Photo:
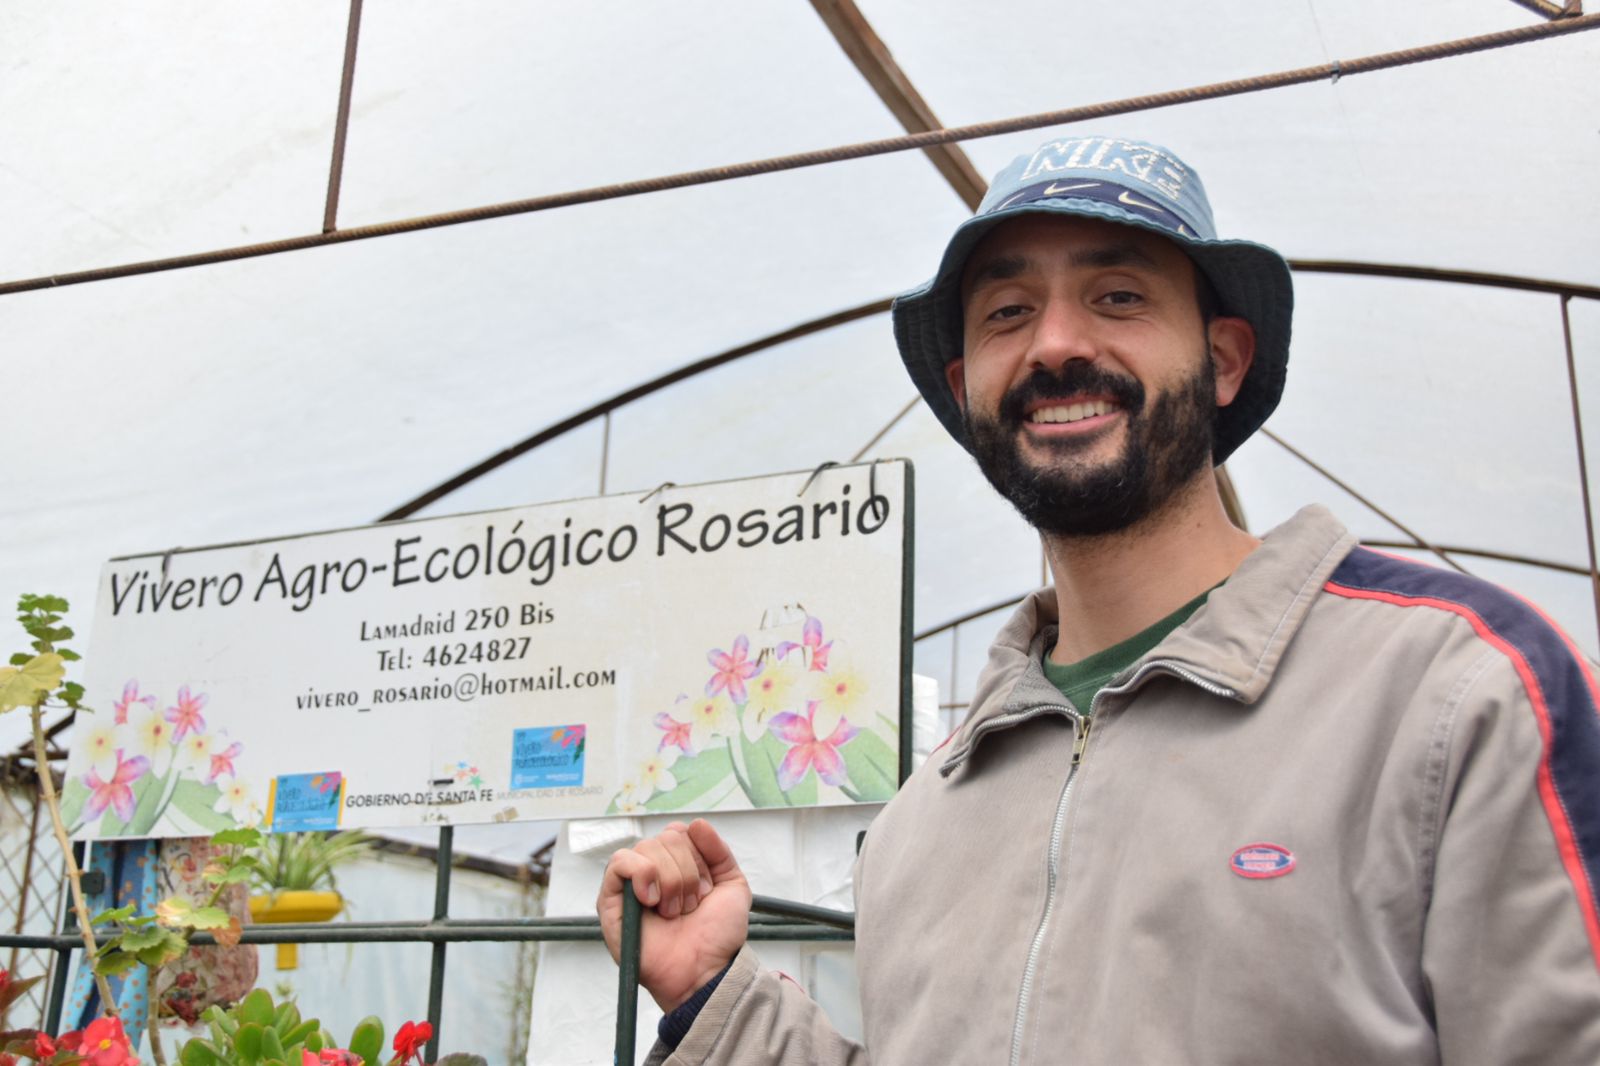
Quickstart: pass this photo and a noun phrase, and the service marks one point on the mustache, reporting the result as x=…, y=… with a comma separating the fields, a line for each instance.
x=1073, y=379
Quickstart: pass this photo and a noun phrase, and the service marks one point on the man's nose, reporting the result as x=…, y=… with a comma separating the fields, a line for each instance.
x=1065, y=331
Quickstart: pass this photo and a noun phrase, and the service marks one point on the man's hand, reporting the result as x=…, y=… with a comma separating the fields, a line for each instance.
x=696, y=908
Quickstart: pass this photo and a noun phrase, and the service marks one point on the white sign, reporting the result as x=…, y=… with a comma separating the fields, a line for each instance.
x=712, y=647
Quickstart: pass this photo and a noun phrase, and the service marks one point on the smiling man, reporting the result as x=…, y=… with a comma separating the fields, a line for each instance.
x=1219, y=799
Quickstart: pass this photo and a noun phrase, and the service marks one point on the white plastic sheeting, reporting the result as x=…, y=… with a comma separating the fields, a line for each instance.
x=322, y=388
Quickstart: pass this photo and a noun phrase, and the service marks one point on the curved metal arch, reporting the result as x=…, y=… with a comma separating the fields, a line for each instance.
x=876, y=307
x=817, y=325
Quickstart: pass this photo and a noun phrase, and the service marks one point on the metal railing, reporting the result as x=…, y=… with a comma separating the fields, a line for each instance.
x=772, y=919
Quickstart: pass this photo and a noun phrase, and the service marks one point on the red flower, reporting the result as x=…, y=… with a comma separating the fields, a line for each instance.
x=105, y=1044
x=409, y=1041
x=43, y=1046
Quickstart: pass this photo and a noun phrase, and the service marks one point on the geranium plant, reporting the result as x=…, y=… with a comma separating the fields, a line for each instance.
x=135, y=789
x=260, y=1031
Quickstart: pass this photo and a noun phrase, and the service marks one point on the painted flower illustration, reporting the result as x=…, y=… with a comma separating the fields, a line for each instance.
x=130, y=696
x=838, y=695
x=674, y=733
x=117, y=791
x=222, y=761
x=808, y=751
x=238, y=802
x=710, y=717
x=100, y=744
x=733, y=669
x=193, y=754
x=814, y=650
x=771, y=693
x=185, y=716
x=628, y=801
x=655, y=775
x=150, y=735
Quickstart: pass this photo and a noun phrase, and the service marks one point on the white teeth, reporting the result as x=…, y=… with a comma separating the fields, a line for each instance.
x=1071, y=412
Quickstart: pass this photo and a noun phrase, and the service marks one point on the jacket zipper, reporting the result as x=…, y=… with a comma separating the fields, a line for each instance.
x=1082, y=724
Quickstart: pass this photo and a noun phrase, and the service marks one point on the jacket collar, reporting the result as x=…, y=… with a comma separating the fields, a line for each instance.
x=1234, y=641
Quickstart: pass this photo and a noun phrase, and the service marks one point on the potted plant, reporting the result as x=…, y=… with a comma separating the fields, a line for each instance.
x=293, y=874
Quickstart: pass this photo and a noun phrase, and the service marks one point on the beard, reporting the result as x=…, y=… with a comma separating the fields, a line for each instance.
x=1166, y=446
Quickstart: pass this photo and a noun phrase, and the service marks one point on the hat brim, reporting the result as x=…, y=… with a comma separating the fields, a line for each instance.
x=1251, y=280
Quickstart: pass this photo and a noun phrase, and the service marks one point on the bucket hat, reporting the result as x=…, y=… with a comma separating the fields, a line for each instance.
x=1133, y=184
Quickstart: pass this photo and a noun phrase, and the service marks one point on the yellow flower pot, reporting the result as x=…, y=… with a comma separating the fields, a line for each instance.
x=294, y=906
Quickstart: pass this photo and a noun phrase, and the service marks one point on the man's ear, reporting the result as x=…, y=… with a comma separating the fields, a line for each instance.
x=957, y=377
x=1233, y=349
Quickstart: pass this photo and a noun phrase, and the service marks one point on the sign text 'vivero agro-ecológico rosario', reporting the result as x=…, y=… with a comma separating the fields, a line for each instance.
x=537, y=555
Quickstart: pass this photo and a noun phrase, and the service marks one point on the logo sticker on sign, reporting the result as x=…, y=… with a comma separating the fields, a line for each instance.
x=303, y=802
x=547, y=757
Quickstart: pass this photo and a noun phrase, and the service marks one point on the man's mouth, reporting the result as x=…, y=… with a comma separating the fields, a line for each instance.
x=1070, y=412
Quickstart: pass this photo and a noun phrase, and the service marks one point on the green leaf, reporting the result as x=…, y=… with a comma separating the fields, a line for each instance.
x=367, y=1040
x=316, y=1040
x=68, y=654
x=149, y=808
x=761, y=762
x=247, y=1041
x=50, y=603
x=872, y=766
x=299, y=1033
x=233, y=875
x=271, y=1044
x=696, y=776
x=21, y=685
x=114, y=964
x=72, y=692
x=244, y=837
x=172, y=948
x=257, y=1008
x=73, y=796
x=200, y=1052
x=207, y=918
x=140, y=939
x=21, y=658
x=220, y=1037
x=59, y=633
x=760, y=780
x=119, y=914
x=196, y=802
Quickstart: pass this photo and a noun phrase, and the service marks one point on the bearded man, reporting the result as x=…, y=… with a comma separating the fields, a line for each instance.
x=1219, y=798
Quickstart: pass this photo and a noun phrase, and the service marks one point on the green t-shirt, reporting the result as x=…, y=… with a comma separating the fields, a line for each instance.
x=1079, y=681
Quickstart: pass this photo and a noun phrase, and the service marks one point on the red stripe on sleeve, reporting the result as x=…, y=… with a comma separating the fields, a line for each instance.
x=1560, y=823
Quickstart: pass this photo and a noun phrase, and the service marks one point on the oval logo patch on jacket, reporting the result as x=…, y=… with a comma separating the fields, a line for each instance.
x=1262, y=860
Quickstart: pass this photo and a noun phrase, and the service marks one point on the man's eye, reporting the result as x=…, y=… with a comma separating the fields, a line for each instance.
x=1008, y=311
x=1121, y=298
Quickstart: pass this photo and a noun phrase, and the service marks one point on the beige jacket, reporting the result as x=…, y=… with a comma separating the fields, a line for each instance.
x=1418, y=751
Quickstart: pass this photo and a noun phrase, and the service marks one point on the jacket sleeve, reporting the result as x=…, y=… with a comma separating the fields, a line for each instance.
x=1511, y=944
x=757, y=1018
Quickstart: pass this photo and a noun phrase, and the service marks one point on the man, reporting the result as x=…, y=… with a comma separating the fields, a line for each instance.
x=1219, y=799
